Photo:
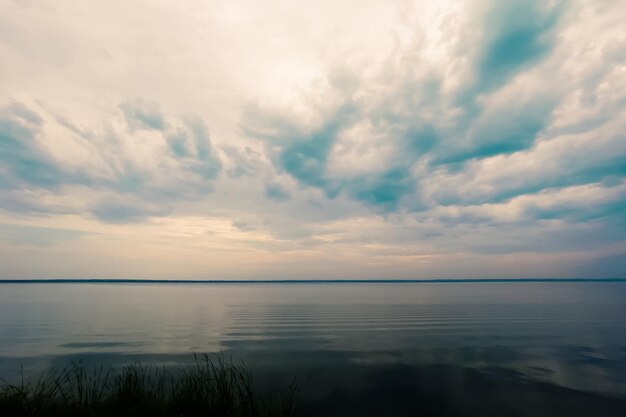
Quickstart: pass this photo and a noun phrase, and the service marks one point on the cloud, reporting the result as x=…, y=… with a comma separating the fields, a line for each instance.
x=515, y=35
x=423, y=134
x=503, y=127
x=243, y=226
x=143, y=114
x=305, y=157
x=276, y=192
x=384, y=189
x=583, y=204
x=456, y=138
x=127, y=210
x=23, y=161
x=243, y=162
x=127, y=164
x=37, y=236
x=413, y=123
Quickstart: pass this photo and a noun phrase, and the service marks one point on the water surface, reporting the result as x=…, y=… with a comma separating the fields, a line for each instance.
x=551, y=348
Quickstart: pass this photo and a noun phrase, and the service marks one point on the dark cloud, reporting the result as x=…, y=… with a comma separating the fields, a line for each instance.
x=124, y=212
x=141, y=114
x=28, y=170
x=243, y=226
x=612, y=210
x=178, y=142
x=510, y=128
x=516, y=34
x=209, y=165
x=384, y=189
x=276, y=192
x=243, y=161
x=595, y=161
x=306, y=156
x=512, y=38
x=23, y=161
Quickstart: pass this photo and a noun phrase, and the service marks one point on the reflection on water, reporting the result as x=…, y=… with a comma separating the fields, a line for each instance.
x=553, y=348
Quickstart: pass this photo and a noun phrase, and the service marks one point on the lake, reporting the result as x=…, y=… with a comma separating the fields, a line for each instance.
x=497, y=349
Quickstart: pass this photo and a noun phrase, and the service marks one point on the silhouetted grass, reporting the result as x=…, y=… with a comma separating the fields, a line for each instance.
x=209, y=387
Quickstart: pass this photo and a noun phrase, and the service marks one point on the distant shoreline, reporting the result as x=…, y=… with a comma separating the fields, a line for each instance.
x=308, y=281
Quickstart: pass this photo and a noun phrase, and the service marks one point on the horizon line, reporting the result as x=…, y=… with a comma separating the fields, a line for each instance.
x=297, y=281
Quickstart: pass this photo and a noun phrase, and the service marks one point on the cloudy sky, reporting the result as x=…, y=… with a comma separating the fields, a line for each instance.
x=312, y=139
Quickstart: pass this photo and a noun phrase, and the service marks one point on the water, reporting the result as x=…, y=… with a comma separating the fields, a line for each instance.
x=356, y=349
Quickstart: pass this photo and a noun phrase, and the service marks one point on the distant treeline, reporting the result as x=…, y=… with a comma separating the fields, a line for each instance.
x=305, y=281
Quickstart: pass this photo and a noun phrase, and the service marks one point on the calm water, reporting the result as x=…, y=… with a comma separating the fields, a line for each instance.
x=356, y=349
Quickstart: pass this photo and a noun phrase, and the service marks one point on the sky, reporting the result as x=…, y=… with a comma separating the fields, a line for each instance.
x=367, y=139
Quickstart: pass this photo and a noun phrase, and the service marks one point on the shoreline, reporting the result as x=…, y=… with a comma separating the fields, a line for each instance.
x=310, y=281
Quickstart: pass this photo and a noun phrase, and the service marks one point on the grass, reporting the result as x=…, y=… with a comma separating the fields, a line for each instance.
x=210, y=387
